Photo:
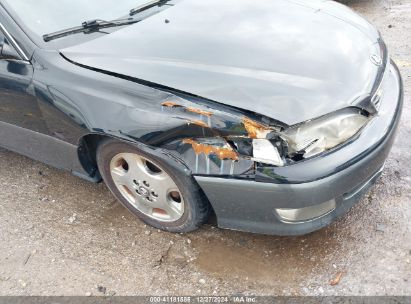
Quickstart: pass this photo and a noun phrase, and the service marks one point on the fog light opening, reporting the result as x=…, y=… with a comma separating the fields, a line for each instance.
x=306, y=214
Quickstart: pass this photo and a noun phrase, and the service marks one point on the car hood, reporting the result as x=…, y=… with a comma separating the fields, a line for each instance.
x=288, y=60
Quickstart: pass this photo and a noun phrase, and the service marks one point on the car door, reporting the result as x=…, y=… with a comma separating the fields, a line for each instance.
x=18, y=105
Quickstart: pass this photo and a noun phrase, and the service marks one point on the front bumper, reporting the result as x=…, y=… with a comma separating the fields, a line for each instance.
x=342, y=176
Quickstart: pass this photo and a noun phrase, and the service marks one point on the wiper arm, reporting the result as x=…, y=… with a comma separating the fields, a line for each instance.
x=97, y=24
x=147, y=6
x=89, y=26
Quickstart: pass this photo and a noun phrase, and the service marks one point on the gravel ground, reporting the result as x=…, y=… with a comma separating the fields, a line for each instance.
x=60, y=235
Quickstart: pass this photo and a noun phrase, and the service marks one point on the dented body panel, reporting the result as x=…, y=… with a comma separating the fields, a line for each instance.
x=198, y=89
x=343, y=176
x=277, y=57
x=133, y=112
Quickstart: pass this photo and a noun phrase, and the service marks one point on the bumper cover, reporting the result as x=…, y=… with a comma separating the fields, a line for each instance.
x=343, y=175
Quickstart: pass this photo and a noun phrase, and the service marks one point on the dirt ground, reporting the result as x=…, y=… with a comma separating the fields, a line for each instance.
x=60, y=235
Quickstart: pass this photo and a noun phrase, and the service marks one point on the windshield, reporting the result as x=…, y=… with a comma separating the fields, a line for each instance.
x=47, y=16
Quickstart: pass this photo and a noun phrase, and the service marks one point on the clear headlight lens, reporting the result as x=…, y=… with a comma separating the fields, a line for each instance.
x=316, y=136
x=265, y=152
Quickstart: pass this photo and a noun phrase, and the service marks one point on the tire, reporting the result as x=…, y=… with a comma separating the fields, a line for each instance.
x=144, y=184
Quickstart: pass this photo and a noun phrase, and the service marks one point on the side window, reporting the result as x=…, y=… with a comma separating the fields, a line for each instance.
x=7, y=51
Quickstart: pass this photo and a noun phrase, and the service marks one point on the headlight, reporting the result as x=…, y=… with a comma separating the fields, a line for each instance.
x=215, y=142
x=316, y=136
x=265, y=152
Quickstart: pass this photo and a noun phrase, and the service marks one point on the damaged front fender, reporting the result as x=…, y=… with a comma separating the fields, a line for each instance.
x=225, y=146
x=208, y=137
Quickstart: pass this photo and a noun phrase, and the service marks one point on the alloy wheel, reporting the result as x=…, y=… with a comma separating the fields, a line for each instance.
x=147, y=187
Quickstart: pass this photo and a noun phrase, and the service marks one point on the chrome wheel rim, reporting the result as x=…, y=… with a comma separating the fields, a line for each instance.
x=147, y=187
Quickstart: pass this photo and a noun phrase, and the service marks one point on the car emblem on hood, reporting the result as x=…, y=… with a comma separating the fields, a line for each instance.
x=377, y=60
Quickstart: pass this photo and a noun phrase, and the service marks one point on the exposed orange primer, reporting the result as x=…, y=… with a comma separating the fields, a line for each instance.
x=255, y=129
x=171, y=104
x=220, y=152
x=199, y=123
x=198, y=111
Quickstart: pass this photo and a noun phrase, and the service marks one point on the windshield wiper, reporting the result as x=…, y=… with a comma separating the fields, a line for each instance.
x=97, y=24
x=147, y=6
x=89, y=27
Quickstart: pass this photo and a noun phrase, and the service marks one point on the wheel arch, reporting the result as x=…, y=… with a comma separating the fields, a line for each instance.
x=87, y=153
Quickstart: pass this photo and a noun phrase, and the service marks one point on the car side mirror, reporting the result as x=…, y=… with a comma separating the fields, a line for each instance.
x=7, y=52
